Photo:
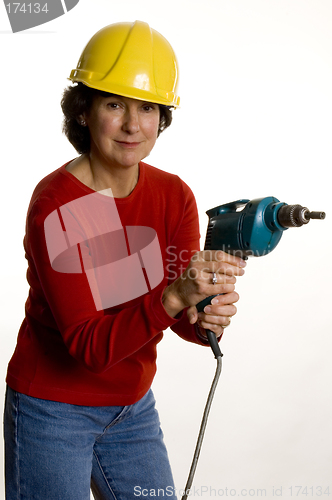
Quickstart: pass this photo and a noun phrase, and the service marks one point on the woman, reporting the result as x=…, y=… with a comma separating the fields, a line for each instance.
x=112, y=248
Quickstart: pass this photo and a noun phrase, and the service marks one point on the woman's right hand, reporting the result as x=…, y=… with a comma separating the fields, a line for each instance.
x=195, y=284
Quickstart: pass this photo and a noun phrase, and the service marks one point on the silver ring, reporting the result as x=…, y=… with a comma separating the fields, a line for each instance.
x=214, y=279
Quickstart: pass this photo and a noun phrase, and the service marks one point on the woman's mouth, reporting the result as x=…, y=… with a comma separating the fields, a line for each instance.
x=128, y=145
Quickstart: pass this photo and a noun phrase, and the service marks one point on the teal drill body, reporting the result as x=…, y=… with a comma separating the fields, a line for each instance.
x=250, y=228
x=253, y=230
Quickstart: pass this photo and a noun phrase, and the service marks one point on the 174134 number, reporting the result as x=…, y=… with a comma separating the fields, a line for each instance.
x=26, y=8
x=299, y=491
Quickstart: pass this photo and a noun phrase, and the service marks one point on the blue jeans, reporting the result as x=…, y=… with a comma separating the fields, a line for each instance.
x=57, y=451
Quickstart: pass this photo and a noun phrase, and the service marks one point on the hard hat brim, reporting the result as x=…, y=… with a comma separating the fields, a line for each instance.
x=164, y=98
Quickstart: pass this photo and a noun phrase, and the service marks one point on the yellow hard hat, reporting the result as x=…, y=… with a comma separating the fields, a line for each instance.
x=132, y=60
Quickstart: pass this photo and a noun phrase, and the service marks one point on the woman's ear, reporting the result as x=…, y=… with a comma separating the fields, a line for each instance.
x=81, y=120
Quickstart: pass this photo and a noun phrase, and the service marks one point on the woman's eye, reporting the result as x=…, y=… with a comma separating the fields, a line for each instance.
x=113, y=105
x=148, y=107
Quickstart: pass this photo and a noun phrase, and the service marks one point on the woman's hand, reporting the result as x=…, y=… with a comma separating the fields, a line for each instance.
x=196, y=283
x=217, y=315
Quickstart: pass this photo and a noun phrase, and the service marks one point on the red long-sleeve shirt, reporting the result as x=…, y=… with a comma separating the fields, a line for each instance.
x=78, y=343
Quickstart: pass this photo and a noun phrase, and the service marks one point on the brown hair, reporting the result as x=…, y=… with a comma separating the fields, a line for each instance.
x=77, y=100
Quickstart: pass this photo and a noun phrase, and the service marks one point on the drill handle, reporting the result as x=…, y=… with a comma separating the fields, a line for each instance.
x=210, y=335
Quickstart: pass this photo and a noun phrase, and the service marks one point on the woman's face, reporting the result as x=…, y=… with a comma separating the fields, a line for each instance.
x=123, y=131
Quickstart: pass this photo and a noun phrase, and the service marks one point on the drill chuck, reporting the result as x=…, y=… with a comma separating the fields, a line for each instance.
x=296, y=216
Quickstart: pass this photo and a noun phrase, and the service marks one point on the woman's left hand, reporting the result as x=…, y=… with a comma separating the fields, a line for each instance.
x=217, y=315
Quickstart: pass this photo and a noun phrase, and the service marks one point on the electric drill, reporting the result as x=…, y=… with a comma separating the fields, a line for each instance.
x=255, y=230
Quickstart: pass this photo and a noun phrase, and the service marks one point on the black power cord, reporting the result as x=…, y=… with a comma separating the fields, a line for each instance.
x=203, y=426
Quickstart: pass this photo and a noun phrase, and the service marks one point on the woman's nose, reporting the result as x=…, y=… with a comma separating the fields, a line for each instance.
x=131, y=122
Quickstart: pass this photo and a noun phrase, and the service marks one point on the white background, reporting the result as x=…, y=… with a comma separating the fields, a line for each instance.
x=255, y=121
